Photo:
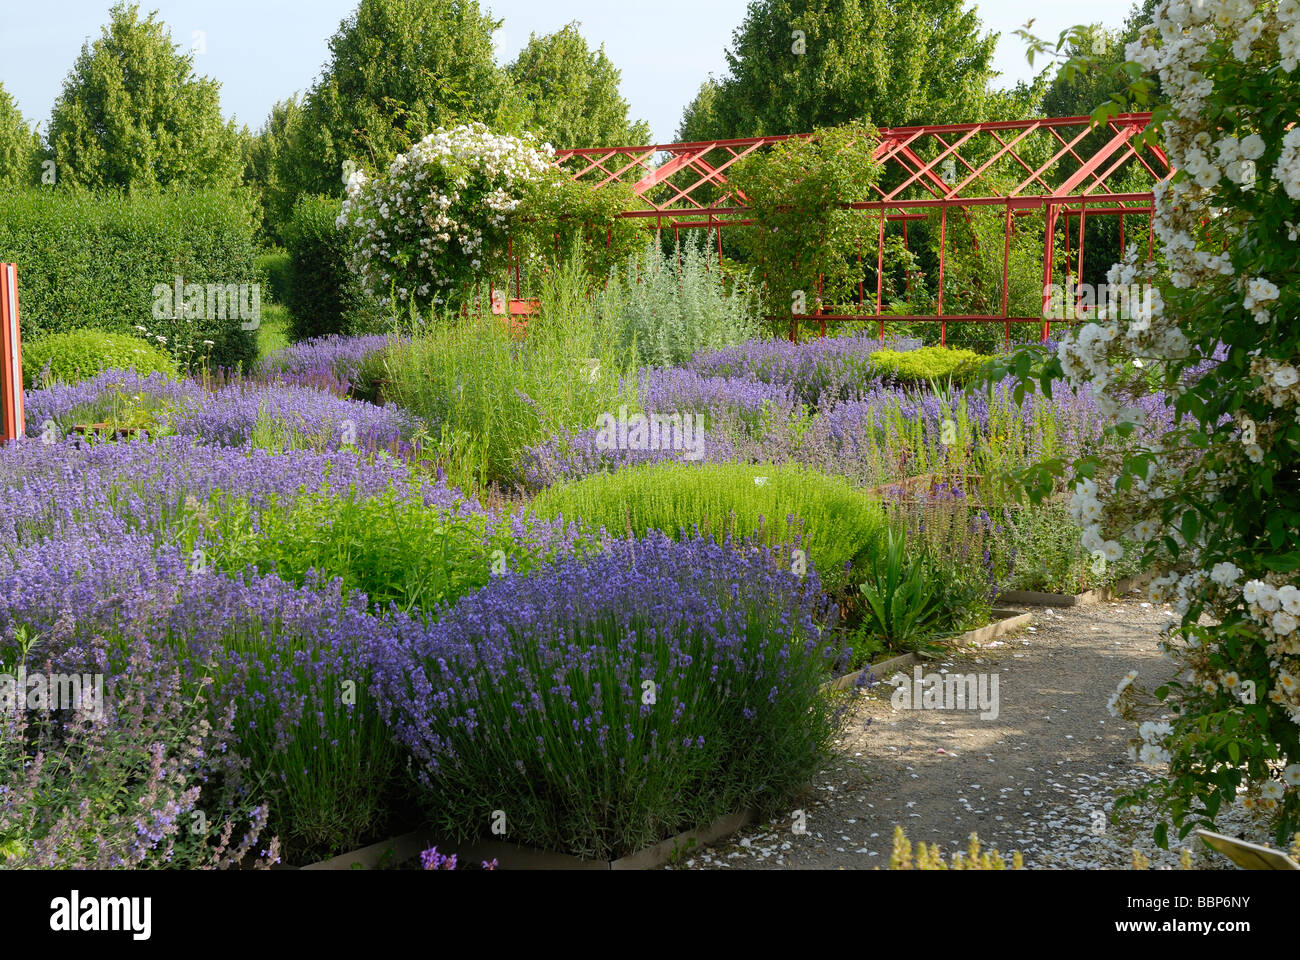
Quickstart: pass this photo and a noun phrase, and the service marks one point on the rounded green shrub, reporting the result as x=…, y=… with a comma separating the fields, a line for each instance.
x=82, y=354
x=835, y=522
x=926, y=364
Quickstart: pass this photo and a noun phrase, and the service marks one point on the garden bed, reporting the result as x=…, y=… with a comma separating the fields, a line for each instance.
x=1004, y=622
x=1100, y=595
x=405, y=849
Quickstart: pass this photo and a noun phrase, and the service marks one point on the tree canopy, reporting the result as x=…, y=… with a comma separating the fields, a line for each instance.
x=265, y=153
x=134, y=114
x=397, y=70
x=795, y=65
x=1075, y=92
x=17, y=143
x=571, y=92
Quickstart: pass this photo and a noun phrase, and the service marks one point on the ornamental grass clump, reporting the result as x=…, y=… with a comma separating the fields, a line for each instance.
x=605, y=704
x=833, y=522
x=488, y=394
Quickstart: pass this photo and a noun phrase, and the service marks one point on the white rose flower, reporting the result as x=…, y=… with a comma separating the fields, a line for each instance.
x=1289, y=597
x=1225, y=574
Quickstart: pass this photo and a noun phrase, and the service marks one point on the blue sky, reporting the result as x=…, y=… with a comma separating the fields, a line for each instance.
x=263, y=50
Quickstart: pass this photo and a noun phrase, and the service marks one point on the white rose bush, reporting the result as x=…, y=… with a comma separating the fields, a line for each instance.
x=1213, y=504
x=439, y=220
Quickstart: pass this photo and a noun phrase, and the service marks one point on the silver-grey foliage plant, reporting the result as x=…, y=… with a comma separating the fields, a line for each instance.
x=671, y=304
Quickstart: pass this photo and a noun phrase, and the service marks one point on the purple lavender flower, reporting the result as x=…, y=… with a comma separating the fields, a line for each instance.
x=330, y=363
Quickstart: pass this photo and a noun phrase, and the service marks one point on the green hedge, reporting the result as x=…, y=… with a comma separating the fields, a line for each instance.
x=324, y=296
x=274, y=266
x=926, y=364
x=81, y=354
x=94, y=260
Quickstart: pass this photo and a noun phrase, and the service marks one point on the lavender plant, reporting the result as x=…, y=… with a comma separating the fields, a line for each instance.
x=124, y=787
x=331, y=363
x=605, y=704
x=286, y=664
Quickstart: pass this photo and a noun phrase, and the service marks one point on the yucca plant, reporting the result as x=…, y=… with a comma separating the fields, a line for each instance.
x=901, y=608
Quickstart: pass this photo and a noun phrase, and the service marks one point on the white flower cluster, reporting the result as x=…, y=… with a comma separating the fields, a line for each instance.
x=1280, y=382
x=1259, y=292
x=1087, y=512
x=1219, y=153
x=1152, y=736
x=1288, y=38
x=1287, y=169
x=438, y=214
x=1269, y=795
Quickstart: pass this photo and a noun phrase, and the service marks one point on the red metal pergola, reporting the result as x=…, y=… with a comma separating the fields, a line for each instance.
x=945, y=166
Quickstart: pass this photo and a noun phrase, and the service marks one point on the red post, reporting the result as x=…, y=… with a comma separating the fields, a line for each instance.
x=1083, y=216
x=1069, y=261
x=943, y=233
x=1006, y=269
x=12, y=417
x=880, y=264
x=908, y=290
x=1049, y=243
x=880, y=271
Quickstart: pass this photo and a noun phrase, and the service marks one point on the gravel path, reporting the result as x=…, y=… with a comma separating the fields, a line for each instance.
x=1035, y=779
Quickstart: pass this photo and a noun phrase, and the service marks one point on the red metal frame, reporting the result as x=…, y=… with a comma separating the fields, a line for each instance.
x=917, y=186
x=12, y=420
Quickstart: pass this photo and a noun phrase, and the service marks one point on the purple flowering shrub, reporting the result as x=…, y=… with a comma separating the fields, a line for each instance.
x=680, y=390
x=116, y=396
x=606, y=703
x=819, y=372
x=140, y=485
x=572, y=456
x=119, y=783
x=239, y=413
x=292, y=417
x=286, y=663
x=333, y=363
